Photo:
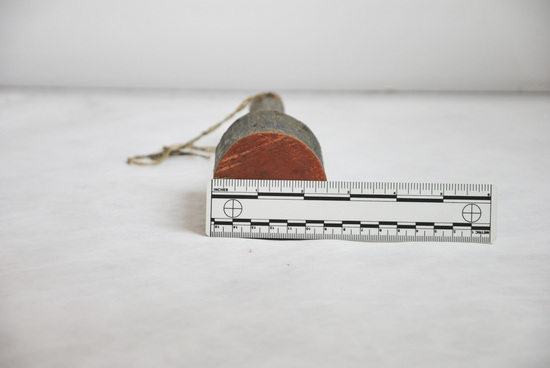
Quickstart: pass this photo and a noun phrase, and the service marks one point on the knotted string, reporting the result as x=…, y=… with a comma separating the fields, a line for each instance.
x=189, y=148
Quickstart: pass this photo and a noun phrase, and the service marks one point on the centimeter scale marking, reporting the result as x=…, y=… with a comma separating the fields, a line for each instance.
x=361, y=211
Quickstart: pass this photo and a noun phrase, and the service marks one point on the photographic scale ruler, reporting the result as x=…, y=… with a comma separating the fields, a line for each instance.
x=351, y=210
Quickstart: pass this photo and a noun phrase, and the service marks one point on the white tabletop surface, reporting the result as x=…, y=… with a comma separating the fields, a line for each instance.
x=103, y=264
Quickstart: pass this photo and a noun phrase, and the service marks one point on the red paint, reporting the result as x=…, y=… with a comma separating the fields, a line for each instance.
x=270, y=156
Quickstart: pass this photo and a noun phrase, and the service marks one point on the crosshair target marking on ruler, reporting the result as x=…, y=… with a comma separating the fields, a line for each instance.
x=233, y=208
x=471, y=213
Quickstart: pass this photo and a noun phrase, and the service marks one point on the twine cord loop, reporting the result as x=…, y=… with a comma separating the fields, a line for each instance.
x=189, y=148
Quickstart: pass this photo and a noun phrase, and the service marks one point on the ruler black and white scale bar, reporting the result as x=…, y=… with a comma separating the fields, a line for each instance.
x=362, y=211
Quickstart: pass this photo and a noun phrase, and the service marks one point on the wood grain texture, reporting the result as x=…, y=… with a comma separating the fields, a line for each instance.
x=270, y=156
x=268, y=144
x=268, y=122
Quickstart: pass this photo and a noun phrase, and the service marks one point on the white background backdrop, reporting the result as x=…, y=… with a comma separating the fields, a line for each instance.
x=283, y=44
x=103, y=264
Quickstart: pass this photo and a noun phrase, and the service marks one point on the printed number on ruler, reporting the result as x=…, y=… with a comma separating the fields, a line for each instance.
x=363, y=211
